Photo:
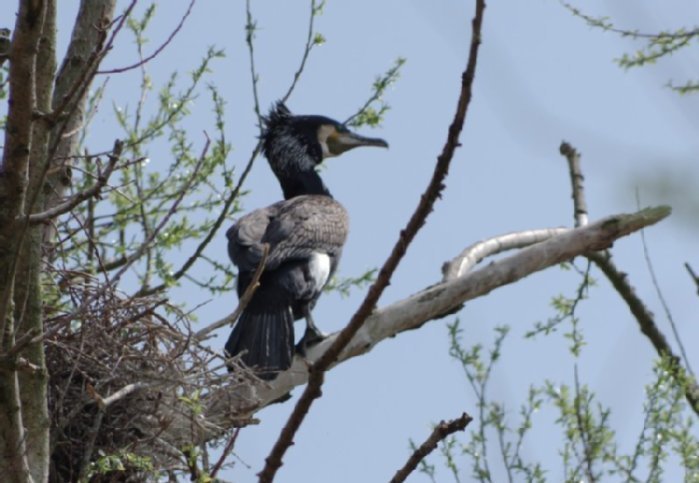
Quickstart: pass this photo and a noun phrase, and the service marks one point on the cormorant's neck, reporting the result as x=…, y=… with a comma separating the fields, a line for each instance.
x=307, y=182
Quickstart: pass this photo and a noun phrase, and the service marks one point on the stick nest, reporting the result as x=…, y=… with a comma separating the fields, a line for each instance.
x=126, y=384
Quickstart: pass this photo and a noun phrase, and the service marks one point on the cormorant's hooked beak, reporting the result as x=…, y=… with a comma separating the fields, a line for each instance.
x=341, y=141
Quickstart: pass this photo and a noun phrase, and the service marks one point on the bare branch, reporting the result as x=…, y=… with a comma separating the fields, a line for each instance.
x=576, y=180
x=440, y=432
x=477, y=252
x=157, y=51
x=310, y=42
x=646, y=322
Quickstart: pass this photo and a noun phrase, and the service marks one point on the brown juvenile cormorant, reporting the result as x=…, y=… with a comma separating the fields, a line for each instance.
x=305, y=234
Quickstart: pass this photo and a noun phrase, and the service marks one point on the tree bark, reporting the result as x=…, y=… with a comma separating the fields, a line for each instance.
x=18, y=460
x=28, y=287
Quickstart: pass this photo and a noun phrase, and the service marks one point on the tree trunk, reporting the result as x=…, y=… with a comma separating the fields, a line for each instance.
x=16, y=297
x=35, y=135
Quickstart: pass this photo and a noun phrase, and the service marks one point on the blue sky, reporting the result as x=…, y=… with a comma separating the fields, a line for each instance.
x=543, y=76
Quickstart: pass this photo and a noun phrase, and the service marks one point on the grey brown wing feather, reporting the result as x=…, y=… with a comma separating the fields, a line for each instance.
x=294, y=229
x=244, y=238
x=304, y=225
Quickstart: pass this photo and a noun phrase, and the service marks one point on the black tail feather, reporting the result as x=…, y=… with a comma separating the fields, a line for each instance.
x=267, y=340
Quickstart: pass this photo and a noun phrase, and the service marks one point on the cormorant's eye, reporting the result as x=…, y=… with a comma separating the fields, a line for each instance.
x=341, y=128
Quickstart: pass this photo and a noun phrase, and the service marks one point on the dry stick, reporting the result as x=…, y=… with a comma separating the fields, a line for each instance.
x=643, y=316
x=427, y=200
x=441, y=431
x=244, y=300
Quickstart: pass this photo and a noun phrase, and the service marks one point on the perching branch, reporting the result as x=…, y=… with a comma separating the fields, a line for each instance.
x=417, y=220
x=227, y=405
x=441, y=431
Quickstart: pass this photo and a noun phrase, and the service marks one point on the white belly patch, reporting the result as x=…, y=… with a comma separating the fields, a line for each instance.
x=319, y=269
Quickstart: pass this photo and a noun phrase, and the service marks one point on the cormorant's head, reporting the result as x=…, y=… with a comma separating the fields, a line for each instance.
x=295, y=145
x=302, y=142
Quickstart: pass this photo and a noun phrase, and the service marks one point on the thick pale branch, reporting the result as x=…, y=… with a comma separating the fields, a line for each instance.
x=226, y=406
x=477, y=252
x=576, y=181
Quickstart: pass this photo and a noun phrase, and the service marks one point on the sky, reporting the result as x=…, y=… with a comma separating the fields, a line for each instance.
x=543, y=76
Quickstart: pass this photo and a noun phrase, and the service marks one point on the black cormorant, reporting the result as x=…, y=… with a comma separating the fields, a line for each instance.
x=305, y=234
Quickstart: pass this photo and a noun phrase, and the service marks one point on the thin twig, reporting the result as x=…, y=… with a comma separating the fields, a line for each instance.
x=417, y=220
x=75, y=200
x=249, y=36
x=688, y=34
x=306, y=51
x=212, y=232
x=695, y=279
x=171, y=211
x=441, y=431
x=582, y=429
x=244, y=299
x=162, y=47
x=226, y=451
x=90, y=446
x=661, y=297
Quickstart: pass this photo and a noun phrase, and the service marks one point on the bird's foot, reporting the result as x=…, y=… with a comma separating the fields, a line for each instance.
x=310, y=338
